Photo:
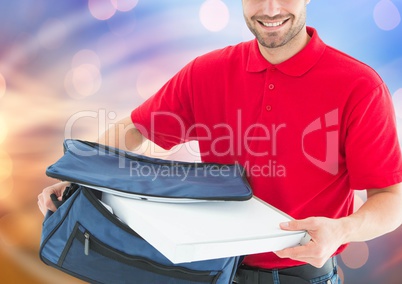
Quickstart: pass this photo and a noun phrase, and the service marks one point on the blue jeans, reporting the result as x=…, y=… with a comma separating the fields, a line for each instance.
x=330, y=278
x=276, y=276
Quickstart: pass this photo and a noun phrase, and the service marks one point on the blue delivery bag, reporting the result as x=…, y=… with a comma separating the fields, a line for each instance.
x=85, y=239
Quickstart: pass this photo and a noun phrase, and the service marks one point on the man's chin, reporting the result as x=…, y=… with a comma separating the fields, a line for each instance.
x=271, y=43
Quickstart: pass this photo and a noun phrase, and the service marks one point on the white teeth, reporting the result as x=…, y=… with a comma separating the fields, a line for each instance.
x=273, y=24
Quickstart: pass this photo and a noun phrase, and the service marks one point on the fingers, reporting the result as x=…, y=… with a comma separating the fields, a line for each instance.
x=323, y=244
x=310, y=253
x=41, y=207
x=309, y=224
x=45, y=202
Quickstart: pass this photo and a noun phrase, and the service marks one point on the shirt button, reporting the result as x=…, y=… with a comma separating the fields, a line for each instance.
x=268, y=108
x=271, y=86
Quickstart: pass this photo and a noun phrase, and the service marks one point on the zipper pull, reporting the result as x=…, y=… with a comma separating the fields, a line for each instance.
x=86, y=243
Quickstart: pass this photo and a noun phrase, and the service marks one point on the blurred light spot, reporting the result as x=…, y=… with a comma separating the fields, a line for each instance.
x=397, y=99
x=83, y=81
x=399, y=129
x=85, y=56
x=3, y=129
x=358, y=202
x=124, y=5
x=341, y=274
x=112, y=115
x=149, y=81
x=356, y=255
x=214, y=15
x=6, y=166
x=122, y=25
x=6, y=188
x=101, y=9
x=386, y=15
x=52, y=34
x=3, y=86
x=87, y=79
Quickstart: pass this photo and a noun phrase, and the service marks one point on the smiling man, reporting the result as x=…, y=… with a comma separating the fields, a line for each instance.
x=279, y=26
x=309, y=124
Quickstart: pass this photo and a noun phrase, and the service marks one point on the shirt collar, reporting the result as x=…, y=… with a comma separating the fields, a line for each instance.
x=297, y=65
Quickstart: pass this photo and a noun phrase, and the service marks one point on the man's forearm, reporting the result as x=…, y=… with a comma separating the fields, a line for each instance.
x=380, y=214
x=122, y=135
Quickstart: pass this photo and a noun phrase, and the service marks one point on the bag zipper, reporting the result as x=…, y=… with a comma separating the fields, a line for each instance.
x=86, y=243
x=104, y=249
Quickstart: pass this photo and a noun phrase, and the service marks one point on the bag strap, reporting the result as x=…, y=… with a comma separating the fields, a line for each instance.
x=56, y=201
x=66, y=195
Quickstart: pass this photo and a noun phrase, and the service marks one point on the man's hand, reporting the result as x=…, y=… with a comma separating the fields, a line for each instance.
x=326, y=237
x=45, y=203
x=383, y=207
x=126, y=137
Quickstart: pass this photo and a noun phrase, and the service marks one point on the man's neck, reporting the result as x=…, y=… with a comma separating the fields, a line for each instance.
x=280, y=54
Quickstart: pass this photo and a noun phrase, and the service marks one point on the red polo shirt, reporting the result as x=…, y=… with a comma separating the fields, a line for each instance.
x=308, y=130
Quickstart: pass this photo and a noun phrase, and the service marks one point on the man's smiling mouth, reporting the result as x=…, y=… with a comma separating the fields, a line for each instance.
x=273, y=24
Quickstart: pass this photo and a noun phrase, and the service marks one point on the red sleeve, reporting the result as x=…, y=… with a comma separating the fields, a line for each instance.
x=373, y=153
x=167, y=117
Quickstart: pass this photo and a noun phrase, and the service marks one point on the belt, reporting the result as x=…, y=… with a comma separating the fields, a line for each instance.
x=292, y=275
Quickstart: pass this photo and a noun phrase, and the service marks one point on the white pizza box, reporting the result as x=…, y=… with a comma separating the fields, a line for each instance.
x=187, y=232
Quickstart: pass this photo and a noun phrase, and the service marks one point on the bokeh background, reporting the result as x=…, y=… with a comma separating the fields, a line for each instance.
x=71, y=68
